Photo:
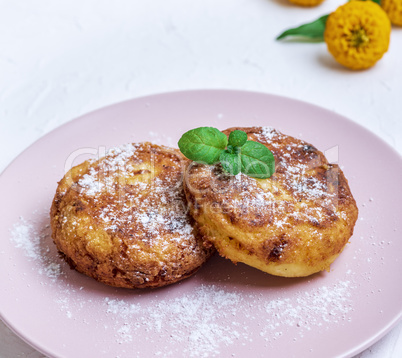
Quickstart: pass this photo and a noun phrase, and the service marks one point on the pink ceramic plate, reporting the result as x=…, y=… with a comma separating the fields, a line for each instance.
x=224, y=310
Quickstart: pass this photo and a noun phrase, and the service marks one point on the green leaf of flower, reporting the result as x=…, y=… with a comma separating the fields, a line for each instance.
x=257, y=160
x=230, y=162
x=204, y=144
x=313, y=30
x=237, y=138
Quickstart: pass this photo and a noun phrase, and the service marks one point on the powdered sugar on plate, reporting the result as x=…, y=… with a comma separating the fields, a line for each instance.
x=203, y=322
x=35, y=247
x=26, y=238
x=194, y=320
x=311, y=308
x=210, y=318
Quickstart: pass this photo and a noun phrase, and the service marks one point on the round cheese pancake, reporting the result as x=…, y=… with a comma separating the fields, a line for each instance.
x=123, y=219
x=293, y=224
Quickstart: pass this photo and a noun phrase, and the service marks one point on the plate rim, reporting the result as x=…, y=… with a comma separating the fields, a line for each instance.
x=198, y=91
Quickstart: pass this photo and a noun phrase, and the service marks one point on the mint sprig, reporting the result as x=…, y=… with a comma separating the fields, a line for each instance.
x=209, y=145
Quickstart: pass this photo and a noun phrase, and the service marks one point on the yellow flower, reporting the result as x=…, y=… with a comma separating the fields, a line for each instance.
x=306, y=2
x=357, y=34
x=393, y=8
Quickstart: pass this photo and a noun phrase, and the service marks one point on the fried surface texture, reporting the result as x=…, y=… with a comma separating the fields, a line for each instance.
x=293, y=224
x=123, y=219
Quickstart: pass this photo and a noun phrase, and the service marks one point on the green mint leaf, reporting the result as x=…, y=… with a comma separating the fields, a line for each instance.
x=204, y=144
x=257, y=160
x=237, y=138
x=207, y=145
x=230, y=162
x=313, y=30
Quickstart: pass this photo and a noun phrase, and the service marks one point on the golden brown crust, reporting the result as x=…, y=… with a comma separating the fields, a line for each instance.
x=293, y=224
x=123, y=219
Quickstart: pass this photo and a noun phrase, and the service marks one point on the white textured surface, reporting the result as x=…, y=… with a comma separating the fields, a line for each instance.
x=60, y=59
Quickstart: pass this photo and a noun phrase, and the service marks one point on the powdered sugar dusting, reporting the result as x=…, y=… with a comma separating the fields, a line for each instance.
x=207, y=320
x=92, y=187
x=268, y=132
x=121, y=307
x=27, y=238
x=193, y=320
x=296, y=172
x=297, y=191
x=115, y=163
x=153, y=205
x=311, y=308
